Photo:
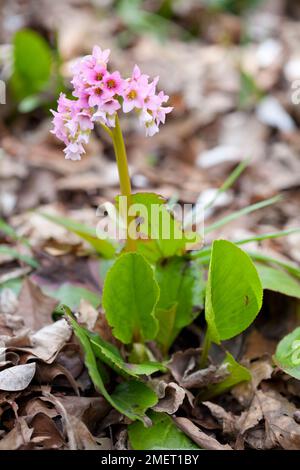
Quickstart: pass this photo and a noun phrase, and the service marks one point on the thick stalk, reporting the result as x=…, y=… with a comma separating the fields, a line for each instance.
x=125, y=184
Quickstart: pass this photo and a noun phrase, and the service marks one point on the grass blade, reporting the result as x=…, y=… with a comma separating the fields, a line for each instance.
x=290, y=267
x=268, y=236
x=204, y=254
x=104, y=247
x=10, y=232
x=237, y=214
x=7, y=250
x=228, y=182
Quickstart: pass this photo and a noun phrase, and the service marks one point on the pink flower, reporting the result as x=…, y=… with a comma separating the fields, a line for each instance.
x=100, y=57
x=97, y=95
x=95, y=75
x=135, y=91
x=113, y=83
x=59, y=127
x=73, y=151
x=100, y=94
x=72, y=125
x=106, y=114
x=85, y=121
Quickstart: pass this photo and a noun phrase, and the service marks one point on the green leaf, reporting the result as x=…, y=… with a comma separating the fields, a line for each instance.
x=181, y=287
x=238, y=374
x=130, y=295
x=162, y=435
x=278, y=280
x=105, y=248
x=166, y=333
x=287, y=355
x=234, y=292
x=32, y=63
x=132, y=398
x=111, y=356
x=70, y=294
x=163, y=236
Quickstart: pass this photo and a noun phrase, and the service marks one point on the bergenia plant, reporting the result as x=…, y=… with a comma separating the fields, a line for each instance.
x=155, y=285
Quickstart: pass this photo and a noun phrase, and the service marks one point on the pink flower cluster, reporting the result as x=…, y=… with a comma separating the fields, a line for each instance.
x=99, y=95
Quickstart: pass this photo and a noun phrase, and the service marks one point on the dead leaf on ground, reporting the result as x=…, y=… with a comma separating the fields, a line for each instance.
x=48, y=341
x=184, y=366
x=87, y=314
x=17, y=377
x=18, y=437
x=8, y=301
x=90, y=410
x=225, y=418
x=37, y=405
x=84, y=439
x=34, y=306
x=260, y=370
x=55, y=374
x=199, y=437
x=278, y=412
x=170, y=396
x=257, y=345
x=45, y=433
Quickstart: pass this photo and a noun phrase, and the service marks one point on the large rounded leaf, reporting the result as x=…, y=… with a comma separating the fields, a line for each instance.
x=234, y=291
x=129, y=299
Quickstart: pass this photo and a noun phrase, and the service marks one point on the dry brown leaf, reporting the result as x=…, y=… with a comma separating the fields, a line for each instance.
x=34, y=306
x=48, y=341
x=260, y=370
x=45, y=434
x=18, y=437
x=275, y=416
x=37, y=405
x=21, y=340
x=17, y=378
x=52, y=373
x=87, y=314
x=257, y=345
x=71, y=359
x=184, y=366
x=90, y=410
x=15, y=274
x=278, y=412
x=47, y=396
x=250, y=417
x=170, y=396
x=84, y=439
x=8, y=301
x=225, y=418
x=199, y=437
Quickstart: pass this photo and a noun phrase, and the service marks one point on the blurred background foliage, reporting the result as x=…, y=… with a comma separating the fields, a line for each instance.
x=35, y=78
